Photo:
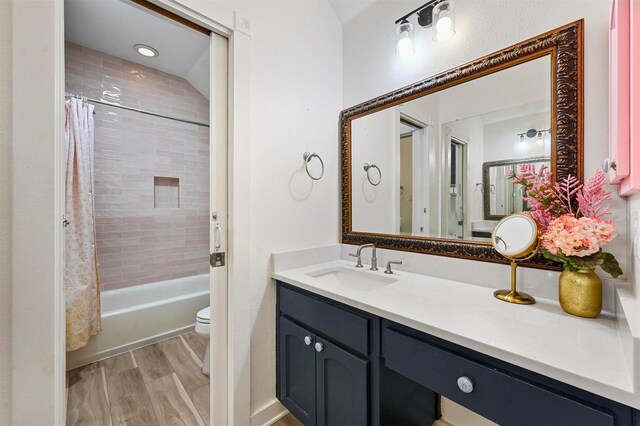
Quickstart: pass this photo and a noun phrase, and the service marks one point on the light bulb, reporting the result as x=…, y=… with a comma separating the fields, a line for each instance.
x=521, y=138
x=405, y=48
x=443, y=21
x=539, y=139
x=405, y=40
x=444, y=24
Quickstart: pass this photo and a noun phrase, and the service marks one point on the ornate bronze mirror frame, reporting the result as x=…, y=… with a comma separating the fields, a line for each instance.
x=565, y=47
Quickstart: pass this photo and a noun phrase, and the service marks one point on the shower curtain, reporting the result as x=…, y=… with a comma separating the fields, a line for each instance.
x=81, y=264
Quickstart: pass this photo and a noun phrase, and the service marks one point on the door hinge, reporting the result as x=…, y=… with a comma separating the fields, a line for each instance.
x=217, y=259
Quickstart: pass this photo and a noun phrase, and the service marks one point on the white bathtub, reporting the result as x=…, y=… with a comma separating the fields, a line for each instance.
x=137, y=316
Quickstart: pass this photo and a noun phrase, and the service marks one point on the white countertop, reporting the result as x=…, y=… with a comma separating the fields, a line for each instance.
x=586, y=353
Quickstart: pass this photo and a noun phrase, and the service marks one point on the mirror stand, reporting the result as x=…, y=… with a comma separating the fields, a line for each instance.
x=512, y=296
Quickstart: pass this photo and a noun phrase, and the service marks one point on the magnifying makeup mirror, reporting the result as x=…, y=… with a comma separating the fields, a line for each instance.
x=516, y=238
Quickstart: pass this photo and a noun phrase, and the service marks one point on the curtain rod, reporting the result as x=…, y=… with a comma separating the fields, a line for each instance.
x=142, y=111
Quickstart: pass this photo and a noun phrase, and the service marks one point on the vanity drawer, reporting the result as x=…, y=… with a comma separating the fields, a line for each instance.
x=340, y=324
x=501, y=397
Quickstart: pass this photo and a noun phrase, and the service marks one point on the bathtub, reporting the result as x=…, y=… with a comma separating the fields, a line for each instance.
x=137, y=316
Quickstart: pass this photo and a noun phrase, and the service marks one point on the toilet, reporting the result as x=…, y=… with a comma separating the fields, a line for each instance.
x=203, y=328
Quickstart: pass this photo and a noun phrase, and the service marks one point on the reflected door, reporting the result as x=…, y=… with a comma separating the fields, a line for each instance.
x=456, y=174
x=406, y=187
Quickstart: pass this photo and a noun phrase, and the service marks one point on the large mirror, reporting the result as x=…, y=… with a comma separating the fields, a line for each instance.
x=425, y=168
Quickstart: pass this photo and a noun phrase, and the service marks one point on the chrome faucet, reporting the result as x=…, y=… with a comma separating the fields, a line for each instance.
x=389, y=263
x=374, y=259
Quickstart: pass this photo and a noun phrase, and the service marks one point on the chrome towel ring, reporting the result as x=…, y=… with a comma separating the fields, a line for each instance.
x=307, y=158
x=367, y=168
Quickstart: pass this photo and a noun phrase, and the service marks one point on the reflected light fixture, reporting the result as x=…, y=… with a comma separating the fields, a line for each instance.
x=533, y=133
x=145, y=50
x=438, y=14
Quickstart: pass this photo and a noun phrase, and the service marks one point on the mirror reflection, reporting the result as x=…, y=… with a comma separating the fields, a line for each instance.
x=501, y=196
x=442, y=158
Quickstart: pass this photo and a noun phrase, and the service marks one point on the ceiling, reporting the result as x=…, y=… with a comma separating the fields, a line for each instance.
x=114, y=26
x=346, y=10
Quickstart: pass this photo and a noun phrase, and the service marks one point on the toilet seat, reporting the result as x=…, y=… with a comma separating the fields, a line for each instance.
x=204, y=316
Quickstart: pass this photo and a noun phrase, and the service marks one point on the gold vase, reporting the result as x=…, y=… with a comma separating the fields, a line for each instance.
x=580, y=293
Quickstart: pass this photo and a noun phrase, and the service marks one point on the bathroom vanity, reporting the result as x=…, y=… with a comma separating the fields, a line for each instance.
x=361, y=347
x=358, y=346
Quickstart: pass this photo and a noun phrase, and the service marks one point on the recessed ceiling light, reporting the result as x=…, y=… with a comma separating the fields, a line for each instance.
x=145, y=50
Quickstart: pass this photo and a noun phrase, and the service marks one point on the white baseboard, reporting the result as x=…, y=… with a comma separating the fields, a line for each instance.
x=269, y=414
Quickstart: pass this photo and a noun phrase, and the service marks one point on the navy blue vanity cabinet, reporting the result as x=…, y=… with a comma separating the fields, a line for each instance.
x=338, y=365
x=341, y=386
x=324, y=359
x=502, y=392
x=297, y=370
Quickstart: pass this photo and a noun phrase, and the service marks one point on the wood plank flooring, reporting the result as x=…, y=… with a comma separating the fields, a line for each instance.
x=288, y=420
x=160, y=384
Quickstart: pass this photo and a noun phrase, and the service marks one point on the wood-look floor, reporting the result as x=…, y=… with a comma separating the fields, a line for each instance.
x=160, y=384
x=288, y=420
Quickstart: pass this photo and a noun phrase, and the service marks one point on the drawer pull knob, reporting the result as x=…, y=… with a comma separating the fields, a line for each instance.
x=319, y=347
x=465, y=384
x=307, y=340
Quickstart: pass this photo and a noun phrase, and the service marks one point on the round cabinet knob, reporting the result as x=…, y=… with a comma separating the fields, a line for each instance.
x=465, y=384
x=608, y=164
x=319, y=347
x=307, y=340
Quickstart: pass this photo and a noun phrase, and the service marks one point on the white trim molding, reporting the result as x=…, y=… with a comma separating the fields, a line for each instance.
x=269, y=414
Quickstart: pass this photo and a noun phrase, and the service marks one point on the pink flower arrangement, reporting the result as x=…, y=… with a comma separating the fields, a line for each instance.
x=570, y=218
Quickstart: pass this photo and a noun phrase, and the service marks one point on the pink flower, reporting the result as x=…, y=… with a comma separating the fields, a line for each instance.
x=578, y=237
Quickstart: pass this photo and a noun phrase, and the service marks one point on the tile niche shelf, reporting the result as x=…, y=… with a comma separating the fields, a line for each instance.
x=166, y=192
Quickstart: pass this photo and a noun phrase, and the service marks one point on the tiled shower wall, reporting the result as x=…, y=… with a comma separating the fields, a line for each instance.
x=151, y=174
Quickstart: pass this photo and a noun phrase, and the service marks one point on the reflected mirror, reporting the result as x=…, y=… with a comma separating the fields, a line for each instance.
x=423, y=167
x=429, y=154
x=500, y=196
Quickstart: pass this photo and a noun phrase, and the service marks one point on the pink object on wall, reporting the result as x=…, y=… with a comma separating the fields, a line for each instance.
x=619, y=136
x=631, y=184
x=144, y=236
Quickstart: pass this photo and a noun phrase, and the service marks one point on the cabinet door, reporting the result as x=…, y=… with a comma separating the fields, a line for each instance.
x=341, y=383
x=297, y=369
x=619, y=69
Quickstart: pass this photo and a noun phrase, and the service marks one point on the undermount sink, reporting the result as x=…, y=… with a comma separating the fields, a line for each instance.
x=353, y=278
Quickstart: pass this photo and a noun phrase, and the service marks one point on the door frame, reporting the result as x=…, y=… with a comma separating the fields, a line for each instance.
x=451, y=139
x=420, y=161
x=38, y=239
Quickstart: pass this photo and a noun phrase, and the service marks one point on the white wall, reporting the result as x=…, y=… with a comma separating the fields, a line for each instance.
x=5, y=211
x=633, y=242
x=36, y=222
x=371, y=67
x=295, y=105
x=502, y=142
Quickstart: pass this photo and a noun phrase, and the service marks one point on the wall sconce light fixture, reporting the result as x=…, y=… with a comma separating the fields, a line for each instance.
x=533, y=133
x=444, y=21
x=438, y=14
x=404, y=33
